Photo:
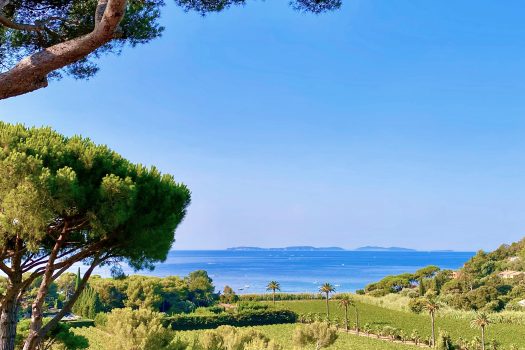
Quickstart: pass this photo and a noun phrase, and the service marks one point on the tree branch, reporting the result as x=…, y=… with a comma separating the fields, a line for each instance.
x=5, y=269
x=31, y=72
x=84, y=253
x=69, y=304
x=6, y=22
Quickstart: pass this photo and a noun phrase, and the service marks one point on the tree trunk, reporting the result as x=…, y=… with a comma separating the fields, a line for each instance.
x=346, y=318
x=9, y=302
x=483, y=338
x=433, y=330
x=37, y=313
x=327, y=308
x=356, y=320
x=8, y=321
x=273, y=296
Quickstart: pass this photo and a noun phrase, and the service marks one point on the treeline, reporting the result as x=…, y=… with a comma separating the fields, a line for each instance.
x=427, y=277
x=168, y=294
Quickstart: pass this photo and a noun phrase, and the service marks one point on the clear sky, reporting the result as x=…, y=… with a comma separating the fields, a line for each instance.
x=389, y=122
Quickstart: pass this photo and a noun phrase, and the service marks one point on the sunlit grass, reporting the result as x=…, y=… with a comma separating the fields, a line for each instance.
x=407, y=321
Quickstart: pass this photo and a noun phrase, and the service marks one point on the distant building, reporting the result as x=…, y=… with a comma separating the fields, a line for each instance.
x=510, y=274
x=456, y=274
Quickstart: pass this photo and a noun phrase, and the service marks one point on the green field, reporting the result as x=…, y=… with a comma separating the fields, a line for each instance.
x=280, y=333
x=377, y=316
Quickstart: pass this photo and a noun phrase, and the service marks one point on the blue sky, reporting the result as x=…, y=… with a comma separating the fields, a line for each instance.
x=388, y=122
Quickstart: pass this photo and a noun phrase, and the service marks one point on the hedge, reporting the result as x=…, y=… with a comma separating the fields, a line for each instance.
x=245, y=318
x=80, y=323
x=280, y=296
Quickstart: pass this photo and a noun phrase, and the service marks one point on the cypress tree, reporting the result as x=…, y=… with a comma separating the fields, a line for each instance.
x=77, y=281
x=422, y=289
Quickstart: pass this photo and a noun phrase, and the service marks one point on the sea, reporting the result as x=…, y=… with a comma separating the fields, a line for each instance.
x=300, y=271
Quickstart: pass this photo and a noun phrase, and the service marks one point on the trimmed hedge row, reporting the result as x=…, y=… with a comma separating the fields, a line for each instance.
x=246, y=318
x=80, y=323
x=280, y=296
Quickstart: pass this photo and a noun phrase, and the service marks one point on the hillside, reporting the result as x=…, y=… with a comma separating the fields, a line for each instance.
x=492, y=281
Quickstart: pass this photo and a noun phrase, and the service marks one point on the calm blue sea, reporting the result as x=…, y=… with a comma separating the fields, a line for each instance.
x=302, y=271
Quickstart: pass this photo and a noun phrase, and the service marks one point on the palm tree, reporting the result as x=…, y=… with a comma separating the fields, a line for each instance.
x=344, y=301
x=481, y=321
x=432, y=307
x=273, y=286
x=327, y=288
x=350, y=302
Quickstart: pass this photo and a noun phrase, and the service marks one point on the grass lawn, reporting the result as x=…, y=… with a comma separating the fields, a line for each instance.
x=375, y=315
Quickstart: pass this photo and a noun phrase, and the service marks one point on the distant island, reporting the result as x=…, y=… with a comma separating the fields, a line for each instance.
x=310, y=248
x=383, y=249
x=294, y=248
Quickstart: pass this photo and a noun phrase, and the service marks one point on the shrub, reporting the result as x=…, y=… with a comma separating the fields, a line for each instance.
x=138, y=329
x=231, y=338
x=319, y=333
x=101, y=319
x=79, y=323
x=377, y=293
x=413, y=294
x=360, y=292
x=228, y=296
x=444, y=342
x=416, y=305
x=216, y=309
x=247, y=305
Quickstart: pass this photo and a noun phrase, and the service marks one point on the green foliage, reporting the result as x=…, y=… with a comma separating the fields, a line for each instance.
x=477, y=286
x=511, y=332
x=201, y=288
x=416, y=305
x=319, y=334
x=426, y=272
x=281, y=334
x=228, y=296
x=79, y=323
x=61, y=337
x=231, y=338
x=47, y=178
x=66, y=285
x=248, y=306
x=280, y=296
x=138, y=329
x=421, y=286
x=391, y=284
x=100, y=320
x=169, y=294
x=444, y=342
x=327, y=288
x=88, y=304
x=245, y=318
